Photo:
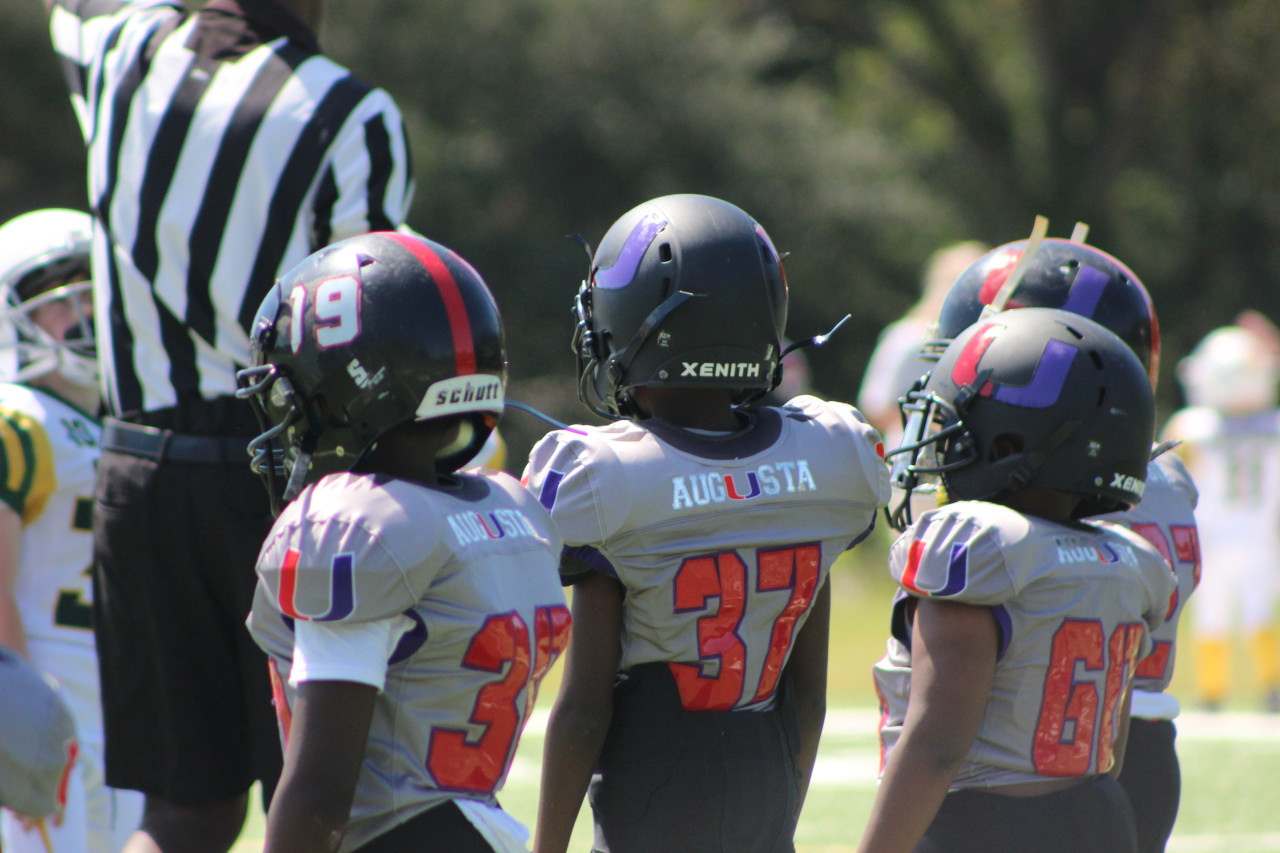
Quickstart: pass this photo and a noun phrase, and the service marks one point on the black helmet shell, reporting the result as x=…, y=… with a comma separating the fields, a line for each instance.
x=1066, y=393
x=372, y=332
x=686, y=291
x=1062, y=274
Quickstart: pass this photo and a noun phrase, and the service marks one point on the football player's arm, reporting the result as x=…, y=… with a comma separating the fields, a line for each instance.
x=12, y=632
x=321, y=764
x=953, y=662
x=583, y=709
x=808, y=673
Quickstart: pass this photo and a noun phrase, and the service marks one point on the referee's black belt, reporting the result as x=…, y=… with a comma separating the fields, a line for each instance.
x=166, y=445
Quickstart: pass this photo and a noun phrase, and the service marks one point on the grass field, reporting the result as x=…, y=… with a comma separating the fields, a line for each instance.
x=1230, y=761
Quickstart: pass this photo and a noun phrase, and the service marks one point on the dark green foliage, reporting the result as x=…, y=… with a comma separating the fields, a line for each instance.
x=862, y=135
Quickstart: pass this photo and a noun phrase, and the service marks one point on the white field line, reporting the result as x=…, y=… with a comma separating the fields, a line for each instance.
x=1192, y=725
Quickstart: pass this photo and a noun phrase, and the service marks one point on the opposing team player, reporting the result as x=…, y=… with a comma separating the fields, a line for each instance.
x=1017, y=628
x=50, y=437
x=699, y=534
x=409, y=609
x=1082, y=279
x=1230, y=440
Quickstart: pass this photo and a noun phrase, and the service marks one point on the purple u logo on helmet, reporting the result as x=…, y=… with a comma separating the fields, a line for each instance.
x=1086, y=291
x=623, y=271
x=1045, y=385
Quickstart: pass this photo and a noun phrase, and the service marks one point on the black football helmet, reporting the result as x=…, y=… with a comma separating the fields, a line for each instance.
x=1061, y=274
x=1032, y=398
x=362, y=336
x=685, y=291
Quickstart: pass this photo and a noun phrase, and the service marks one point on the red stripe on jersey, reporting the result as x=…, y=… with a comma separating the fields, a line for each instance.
x=913, y=566
x=289, y=583
x=73, y=752
x=464, y=349
x=281, y=700
x=884, y=720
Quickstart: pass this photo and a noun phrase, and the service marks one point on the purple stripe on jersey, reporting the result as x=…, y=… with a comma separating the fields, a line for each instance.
x=622, y=271
x=411, y=640
x=1085, y=292
x=863, y=535
x=550, y=487
x=957, y=571
x=899, y=623
x=1043, y=389
x=591, y=557
x=341, y=588
x=1005, y=623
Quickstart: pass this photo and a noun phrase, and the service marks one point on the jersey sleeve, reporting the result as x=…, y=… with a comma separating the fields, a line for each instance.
x=869, y=466
x=83, y=30
x=566, y=472
x=346, y=651
x=326, y=564
x=954, y=555
x=569, y=472
x=27, y=473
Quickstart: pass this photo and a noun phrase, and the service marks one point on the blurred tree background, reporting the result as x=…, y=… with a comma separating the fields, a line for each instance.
x=862, y=135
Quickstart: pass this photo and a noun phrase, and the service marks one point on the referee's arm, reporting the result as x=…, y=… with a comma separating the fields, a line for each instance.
x=80, y=30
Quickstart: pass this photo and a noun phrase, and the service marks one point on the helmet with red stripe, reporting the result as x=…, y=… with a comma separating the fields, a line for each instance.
x=1066, y=274
x=365, y=335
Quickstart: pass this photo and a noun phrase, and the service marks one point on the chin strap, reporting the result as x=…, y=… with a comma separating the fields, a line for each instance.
x=1022, y=475
x=617, y=364
x=297, y=476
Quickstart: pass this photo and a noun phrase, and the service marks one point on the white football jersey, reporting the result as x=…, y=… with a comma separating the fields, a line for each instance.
x=721, y=541
x=1166, y=518
x=49, y=449
x=471, y=568
x=1075, y=606
x=1235, y=462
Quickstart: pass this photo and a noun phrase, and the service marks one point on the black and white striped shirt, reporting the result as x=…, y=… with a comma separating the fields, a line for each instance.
x=223, y=148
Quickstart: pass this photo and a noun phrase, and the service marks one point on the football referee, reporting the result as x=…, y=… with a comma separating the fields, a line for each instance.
x=223, y=148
